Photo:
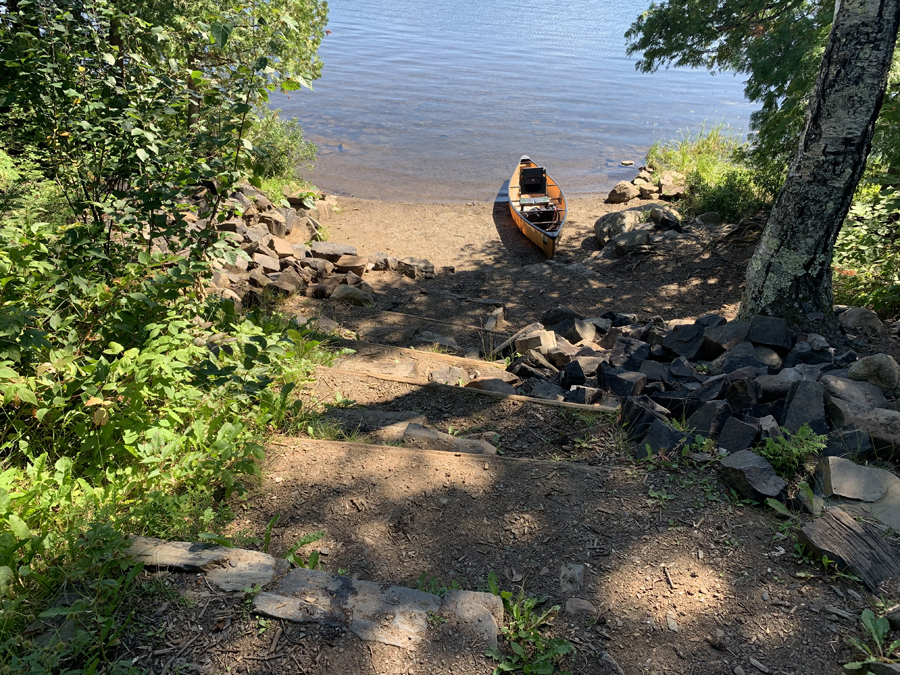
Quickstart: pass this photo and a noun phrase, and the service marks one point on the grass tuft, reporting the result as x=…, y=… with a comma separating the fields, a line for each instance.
x=717, y=178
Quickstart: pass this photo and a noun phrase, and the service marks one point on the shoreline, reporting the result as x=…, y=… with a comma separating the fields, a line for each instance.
x=478, y=251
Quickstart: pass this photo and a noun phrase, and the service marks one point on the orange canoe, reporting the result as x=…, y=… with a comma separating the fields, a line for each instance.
x=537, y=204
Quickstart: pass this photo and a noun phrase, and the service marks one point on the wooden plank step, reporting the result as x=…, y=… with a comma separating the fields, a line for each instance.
x=413, y=319
x=403, y=455
x=607, y=405
x=364, y=346
x=397, y=327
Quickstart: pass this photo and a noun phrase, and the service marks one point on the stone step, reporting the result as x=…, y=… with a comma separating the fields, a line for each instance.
x=391, y=615
x=587, y=537
x=373, y=612
x=517, y=426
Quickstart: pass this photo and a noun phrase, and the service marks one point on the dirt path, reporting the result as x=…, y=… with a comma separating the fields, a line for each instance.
x=656, y=566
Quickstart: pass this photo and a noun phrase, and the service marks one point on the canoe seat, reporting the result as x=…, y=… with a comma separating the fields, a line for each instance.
x=532, y=180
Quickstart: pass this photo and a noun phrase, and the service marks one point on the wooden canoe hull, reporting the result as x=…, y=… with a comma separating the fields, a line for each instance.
x=544, y=239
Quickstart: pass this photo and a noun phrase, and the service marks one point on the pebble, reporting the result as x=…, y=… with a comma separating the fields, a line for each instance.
x=765, y=596
x=757, y=664
x=671, y=622
x=739, y=671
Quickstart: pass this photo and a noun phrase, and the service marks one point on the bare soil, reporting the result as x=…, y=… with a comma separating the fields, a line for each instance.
x=685, y=578
x=663, y=548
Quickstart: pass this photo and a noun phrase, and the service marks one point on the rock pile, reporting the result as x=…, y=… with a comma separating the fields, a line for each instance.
x=734, y=382
x=279, y=254
x=668, y=185
x=633, y=230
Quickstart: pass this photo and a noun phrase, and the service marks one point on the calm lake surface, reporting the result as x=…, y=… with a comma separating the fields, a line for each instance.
x=435, y=101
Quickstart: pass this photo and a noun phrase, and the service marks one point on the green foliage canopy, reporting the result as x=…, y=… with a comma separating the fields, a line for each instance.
x=287, y=33
x=776, y=44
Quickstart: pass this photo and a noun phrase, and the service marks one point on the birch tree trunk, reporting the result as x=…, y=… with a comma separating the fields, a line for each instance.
x=792, y=262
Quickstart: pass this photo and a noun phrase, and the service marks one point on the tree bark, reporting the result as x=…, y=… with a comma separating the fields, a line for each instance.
x=790, y=272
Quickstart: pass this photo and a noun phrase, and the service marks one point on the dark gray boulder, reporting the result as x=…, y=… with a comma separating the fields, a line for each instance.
x=752, y=476
x=621, y=382
x=661, y=439
x=771, y=331
x=679, y=371
x=710, y=418
x=710, y=320
x=719, y=339
x=741, y=356
x=547, y=390
x=686, y=340
x=554, y=316
x=847, y=442
x=638, y=414
x=805, y=404
x=803, y=352
x=677, y=402
x=711, y=389
x=575, y=330
x=654, y=370
x=571, y=375
x=744, y=393
x=861, y=393
x=737, y=435
x=583, y=395
x=629, y=353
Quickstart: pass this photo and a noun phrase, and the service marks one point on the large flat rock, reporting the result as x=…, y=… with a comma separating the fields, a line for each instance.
x=391, y=615
x=230, y=569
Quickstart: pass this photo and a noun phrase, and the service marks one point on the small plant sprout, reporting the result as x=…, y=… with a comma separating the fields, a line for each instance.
x=312, y=562
x=880, y=651
x=531, y=651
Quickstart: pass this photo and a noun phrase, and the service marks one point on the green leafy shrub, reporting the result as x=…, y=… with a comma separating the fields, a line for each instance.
x=880, y=651
x=786, y=453
x=733, y=195
x=867, y=252
x=279, y=148
x=707, y=152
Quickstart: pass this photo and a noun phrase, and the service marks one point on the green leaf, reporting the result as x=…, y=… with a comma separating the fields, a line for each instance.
x=142, y=154
x=25, y=394
x=18, y=527
x=313, y=561
x=215, y=538
x=221, y=32
x=776, y=505
x=261, y=63
x=109, y=58
x=290, y=85
x=517, y=648
x=114, y=348
x=6, y=575
x=493, y=584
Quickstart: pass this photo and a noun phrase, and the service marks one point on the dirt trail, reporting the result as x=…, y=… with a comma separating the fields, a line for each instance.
x=657, y=567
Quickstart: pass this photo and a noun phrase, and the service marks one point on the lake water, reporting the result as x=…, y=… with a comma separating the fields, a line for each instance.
x=434, y=101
